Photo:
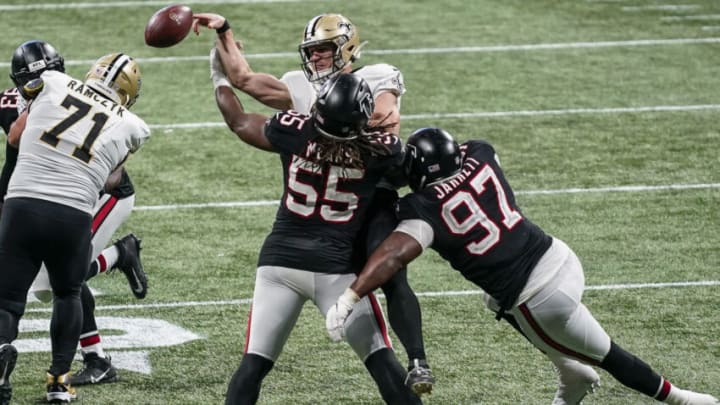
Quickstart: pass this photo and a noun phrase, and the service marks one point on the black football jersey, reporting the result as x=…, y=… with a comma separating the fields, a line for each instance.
x=323, y=205
x=478, y=227
x=9, y=100
x=9, y=108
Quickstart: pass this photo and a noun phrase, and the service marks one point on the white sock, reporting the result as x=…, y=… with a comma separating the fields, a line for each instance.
x=111, y=255
x=678, y=396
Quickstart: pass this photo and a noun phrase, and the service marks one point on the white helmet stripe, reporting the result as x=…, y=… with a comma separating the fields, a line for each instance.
x=310, y=27
x=116, y=66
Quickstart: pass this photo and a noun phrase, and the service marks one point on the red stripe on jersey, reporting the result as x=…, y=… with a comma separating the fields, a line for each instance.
x=103, y=213
x=380, y=319
x=550, y=342
x=664, y=390
x=247, y=331
x=90, y=340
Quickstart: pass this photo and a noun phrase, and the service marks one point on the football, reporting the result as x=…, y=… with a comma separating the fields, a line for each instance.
x=168, y=26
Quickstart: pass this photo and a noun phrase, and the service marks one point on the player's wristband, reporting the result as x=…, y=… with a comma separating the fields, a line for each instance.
x=225, y=27
x=220, y=81
x=350, y=296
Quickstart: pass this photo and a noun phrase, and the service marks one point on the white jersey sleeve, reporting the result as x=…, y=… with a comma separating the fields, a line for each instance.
x=420, y=230
x=302, y=92
x=380, y=77
x=73, y=139
x=383, y=77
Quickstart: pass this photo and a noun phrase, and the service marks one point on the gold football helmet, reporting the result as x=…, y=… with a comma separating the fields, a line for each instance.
x=117, y=76
x=331, y=29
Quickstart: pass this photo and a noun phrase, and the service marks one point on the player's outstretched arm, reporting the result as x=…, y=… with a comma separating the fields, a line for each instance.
x=263, y=87
x=397, y=250
x=250, y=128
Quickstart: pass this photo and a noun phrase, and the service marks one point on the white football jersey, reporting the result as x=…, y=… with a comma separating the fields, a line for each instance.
x=381, y=77
x=73, y=139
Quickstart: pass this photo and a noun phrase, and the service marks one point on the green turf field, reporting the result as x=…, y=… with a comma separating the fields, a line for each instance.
x=605, y=117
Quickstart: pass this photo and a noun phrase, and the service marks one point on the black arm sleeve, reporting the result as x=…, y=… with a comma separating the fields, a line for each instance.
x=11, y=154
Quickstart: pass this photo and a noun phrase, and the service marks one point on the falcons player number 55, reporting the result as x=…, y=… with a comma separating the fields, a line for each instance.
x=330, y=193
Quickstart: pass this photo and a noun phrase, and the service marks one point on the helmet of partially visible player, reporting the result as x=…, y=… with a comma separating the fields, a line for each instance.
x=31, y=59
x=117, y=77
x=343, y=107
x=333, y=30
x=432, y=155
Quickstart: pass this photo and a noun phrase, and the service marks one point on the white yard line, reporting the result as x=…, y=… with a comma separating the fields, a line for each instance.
x=662, y=7
x=613, y=189
x=493, y=114
x=704, y=17
x=247, y=301
x=116, y=4
x=423, y=51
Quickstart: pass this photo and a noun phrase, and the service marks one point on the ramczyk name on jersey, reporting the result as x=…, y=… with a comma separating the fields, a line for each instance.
x=82, y=89
x=447, y=186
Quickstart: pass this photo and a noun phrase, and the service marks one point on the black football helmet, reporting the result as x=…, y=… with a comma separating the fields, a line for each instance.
x=431, y=155
x=343, y=107
x=31, y=59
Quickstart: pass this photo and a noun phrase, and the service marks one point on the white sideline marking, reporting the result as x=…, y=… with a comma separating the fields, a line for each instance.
x=495, y=114
x=621, y=189
x=467, y=49
x=231, y=204
x=57, y=6
x=705, y=17
x=569, y=111
x=260, y=203
x=247, y=301
x=663, y=7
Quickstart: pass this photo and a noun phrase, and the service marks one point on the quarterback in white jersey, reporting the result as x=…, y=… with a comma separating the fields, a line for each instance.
x=72, y=135
x=330, y=44
x=381, y=77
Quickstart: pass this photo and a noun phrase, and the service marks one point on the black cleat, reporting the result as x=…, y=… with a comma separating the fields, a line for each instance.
x=129, y=263
x=420, y=378
x=8, y=358
x=95, y=370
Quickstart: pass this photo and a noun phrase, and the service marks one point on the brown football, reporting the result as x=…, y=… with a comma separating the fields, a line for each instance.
x=168, y=26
